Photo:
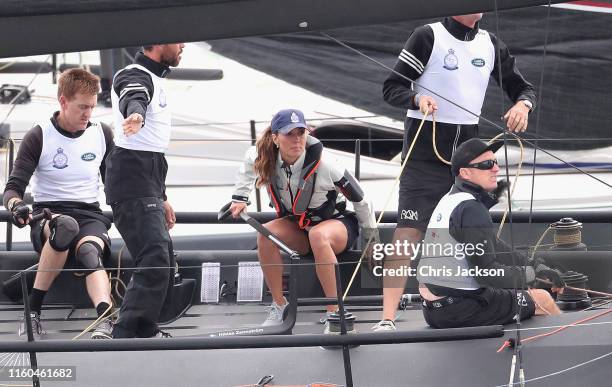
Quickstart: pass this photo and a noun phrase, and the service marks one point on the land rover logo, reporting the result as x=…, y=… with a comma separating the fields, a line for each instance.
x=88, y=156
x=478, y=62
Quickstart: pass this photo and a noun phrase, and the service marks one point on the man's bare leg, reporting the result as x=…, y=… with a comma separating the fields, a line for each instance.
x=49, y=266
x=393, y=287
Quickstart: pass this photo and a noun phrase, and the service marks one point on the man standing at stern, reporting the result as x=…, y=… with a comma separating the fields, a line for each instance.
x=135, y=185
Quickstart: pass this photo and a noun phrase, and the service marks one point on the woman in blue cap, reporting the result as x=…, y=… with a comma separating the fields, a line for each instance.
x=309, y=193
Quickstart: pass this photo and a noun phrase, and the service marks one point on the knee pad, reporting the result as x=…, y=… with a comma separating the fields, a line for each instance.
x=89, y=255
x=63, y=230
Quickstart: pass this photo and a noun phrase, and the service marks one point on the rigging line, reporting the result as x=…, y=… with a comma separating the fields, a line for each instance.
x=380, y=216
x=380, y=64
x=564, y=162
x=525, y=140
x=537, y=126
x=535, y=151
x=541, y=335
x=560, y=326
x=518, y=354
x=562, y=370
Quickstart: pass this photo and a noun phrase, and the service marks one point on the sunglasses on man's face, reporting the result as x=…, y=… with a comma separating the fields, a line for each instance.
x=484, y=165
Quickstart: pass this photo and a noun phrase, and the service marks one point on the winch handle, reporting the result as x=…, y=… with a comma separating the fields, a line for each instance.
x=224, y=212
x=45, y=214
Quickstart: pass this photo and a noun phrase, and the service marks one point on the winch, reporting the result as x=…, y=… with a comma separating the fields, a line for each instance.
x=567, y=235
x=334, y=322
x=573, y=299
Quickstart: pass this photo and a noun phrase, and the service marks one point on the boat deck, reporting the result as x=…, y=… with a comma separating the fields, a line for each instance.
x=465, y=363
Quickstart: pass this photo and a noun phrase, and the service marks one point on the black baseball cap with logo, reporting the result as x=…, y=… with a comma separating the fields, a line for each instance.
x=469, y=150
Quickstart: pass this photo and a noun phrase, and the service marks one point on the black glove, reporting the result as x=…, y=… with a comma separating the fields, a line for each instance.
x=553, y=275
x=501, y=190
x=20, y=211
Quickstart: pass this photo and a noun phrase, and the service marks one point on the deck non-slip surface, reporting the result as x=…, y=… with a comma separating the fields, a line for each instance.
x=457, y=363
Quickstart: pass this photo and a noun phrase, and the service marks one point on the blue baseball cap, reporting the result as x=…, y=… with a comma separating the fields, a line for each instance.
x=286, y=120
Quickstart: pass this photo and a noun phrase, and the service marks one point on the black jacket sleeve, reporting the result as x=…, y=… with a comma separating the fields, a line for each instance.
x=108, y=138
x=134, y=88
x=512, y=81
x=25, y=164
x=470, y=222
x=398, y=91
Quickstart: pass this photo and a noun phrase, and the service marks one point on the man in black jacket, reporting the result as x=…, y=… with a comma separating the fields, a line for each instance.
x=135, y=185
x=467, y=276
x=455, y=59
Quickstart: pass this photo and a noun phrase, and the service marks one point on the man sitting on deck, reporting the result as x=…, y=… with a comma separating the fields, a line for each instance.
x=65, y=158
x=467, y=276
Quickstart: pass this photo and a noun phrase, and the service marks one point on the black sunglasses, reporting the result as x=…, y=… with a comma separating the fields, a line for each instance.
x=484, y=165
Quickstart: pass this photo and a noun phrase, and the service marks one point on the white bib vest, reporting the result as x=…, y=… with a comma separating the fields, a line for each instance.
x=464, y=65
x=441, y=258
x=154, y=136
x=69, y=168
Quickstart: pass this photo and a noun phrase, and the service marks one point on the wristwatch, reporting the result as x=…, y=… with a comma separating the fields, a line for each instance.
x=528, y=104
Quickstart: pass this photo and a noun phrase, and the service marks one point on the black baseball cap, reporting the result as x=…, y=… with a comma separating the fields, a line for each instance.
x=469, y=150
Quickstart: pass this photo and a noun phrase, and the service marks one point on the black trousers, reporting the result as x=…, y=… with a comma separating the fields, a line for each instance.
x=142, y=224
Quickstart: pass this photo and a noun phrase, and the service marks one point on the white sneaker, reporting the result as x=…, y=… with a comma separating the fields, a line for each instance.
x=384, y=325
x=275, y=314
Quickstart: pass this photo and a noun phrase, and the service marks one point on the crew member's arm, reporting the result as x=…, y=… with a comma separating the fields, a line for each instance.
x=413, y=58
x=347, y=185
x=108, y=139
x=517, y=88
x=134, y=88
x=245, y=181
x=25, y=164
x=471, y=223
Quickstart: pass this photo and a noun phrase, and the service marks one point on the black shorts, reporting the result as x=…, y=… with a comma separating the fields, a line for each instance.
x=89, y=225
x=422, y=185
x=352, y=228
x=491, y=307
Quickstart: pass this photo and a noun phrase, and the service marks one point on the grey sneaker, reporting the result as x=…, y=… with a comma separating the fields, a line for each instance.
x=37, y=329
x=104, y=330
x=384, y=326
x=275, y=314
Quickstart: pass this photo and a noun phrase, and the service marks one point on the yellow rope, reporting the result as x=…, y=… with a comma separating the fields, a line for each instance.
x=118, y=276
x=435, y=147
x=567, y=238
x=110, y=280
x=363, y=253
x=97, y=321
x=539, y=241
x=514, y=183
